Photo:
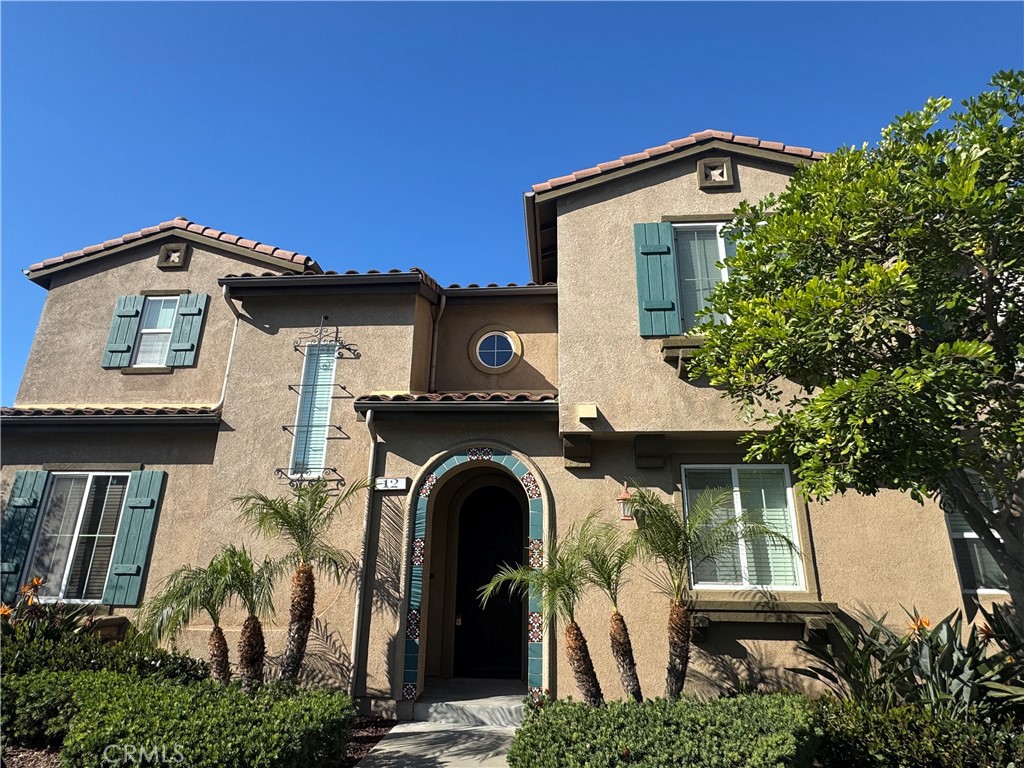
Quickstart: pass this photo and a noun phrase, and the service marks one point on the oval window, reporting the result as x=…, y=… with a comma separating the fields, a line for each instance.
x=495, y=350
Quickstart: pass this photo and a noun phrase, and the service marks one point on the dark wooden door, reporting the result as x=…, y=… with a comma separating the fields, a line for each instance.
x=488, y=641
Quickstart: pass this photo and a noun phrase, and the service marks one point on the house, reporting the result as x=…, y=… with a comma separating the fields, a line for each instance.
x=179, y=366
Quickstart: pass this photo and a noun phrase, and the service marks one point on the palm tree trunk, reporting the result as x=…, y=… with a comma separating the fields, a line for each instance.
x=678, y=649
x=622, y=650
x=299, y=621
x=581, y=665
x=219, y=669
x=252, y=649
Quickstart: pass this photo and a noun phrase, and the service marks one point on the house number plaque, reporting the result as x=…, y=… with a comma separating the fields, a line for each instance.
x=392, y=483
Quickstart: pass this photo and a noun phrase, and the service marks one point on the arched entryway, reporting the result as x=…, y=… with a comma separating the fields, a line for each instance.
x=476, y=510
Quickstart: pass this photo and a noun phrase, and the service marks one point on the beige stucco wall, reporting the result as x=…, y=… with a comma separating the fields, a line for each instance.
x=597, y=300
x=75, y=322
x=536, y=324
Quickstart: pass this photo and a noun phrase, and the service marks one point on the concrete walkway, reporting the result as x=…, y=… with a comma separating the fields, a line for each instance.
x=457, y=724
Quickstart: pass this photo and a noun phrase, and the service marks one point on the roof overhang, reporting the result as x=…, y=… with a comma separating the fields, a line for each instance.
x=93, y=420
x=472, y=405
x=240, y=286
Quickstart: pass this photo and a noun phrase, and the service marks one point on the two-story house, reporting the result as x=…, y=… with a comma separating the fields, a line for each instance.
x=177, y=367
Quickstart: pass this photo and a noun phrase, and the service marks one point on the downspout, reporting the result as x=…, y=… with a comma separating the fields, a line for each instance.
x=231, y=349
x=361, y=576
x=433, y=342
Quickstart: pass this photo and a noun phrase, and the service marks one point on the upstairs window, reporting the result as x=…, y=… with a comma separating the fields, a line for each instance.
x=677, y=269
x=979, y=571
x=312, y=422
x=155, y=331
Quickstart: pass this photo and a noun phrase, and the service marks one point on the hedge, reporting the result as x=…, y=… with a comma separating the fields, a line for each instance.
x=99, y=716
x=755, y=731
x=857, y=736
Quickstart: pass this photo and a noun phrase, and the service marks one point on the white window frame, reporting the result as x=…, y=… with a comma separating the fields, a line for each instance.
x=718, y=227
x=292, y=475
x=44, y=510
x=801, y=585
x=512, y=355
x=969, y=536
x=144, y=331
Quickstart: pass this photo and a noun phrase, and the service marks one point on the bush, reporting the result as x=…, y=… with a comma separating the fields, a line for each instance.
x=754, y=731
x=856, y=736
x=206, y=725
x=38, y=707
x=24, y=652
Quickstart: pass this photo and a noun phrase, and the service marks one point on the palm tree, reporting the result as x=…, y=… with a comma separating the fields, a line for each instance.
x=606, y=557
x=304, y=520
x=186, y=593
x=681, y=544
x=253, y=585
x=560, y=583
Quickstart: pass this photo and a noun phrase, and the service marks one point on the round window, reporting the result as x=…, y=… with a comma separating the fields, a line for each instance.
x=495, y=350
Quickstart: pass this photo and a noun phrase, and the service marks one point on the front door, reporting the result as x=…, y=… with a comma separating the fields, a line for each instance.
x=488, y=641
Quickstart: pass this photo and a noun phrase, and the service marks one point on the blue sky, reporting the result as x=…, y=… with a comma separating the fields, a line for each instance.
x=396, y=135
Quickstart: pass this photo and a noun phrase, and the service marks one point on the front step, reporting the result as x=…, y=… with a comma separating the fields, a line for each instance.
x=471, y=702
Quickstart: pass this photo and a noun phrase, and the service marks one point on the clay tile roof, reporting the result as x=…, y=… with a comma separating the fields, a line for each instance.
x=290, y=258
x=673, y=146
x=461, y=397
x=424, y=276
x=105, y=410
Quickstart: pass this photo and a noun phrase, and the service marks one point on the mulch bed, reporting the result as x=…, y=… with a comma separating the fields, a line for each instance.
x=366, y=732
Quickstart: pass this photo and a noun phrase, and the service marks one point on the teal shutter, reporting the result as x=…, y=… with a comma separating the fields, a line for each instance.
x=657, y=279
x=19, y=524
x=310, y=447
x=188, y=323
x=134, y=537
x=124, y=329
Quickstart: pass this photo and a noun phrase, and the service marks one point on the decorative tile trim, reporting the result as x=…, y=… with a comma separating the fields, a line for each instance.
x=536, y=554
x=535, y=630
x=418, y=546
x=417, y=556
x=412, y=625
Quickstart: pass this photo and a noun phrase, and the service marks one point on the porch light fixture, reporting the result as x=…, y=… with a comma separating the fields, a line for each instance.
x=625, y=502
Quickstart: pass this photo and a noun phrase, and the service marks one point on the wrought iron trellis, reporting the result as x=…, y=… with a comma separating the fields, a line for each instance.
x=326, y=334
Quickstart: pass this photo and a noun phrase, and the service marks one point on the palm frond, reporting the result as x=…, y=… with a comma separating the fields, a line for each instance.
x=250, y=582
x=184, y=594
x=606, y=555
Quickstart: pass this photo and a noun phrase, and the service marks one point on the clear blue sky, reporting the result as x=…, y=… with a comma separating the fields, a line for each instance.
x=398, y=135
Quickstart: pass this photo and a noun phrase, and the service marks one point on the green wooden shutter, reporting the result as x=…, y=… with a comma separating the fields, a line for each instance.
x=19, y=524
x=310, y=447
x=657, y=279
x=124, y=329
x=188, y=323
x=134, y=537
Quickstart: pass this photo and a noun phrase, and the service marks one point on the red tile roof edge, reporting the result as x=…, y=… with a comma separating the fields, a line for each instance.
x=461, y=397
x=674, y=146
x=29, y=411
x=425, y=275
x=291, y=258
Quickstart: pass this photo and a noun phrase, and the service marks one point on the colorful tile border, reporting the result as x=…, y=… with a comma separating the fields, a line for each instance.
x=535, y=547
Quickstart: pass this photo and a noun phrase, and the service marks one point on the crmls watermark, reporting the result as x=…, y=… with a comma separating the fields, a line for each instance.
x=136, y=754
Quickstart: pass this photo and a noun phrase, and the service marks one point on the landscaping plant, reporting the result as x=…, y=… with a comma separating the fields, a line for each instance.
x=606, y=557
x=305, y=521
x=559, y=583
x=253, y=585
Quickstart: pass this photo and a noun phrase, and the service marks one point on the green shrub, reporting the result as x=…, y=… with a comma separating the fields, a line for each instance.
x=856, y=736
x=775, y=731
x=24, y=651
x=207, y=725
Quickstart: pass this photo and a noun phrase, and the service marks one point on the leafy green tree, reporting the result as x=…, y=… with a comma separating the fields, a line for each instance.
x=560, y=583
x=607, y=556
x=186, y=593
x=680, y=544
x=887, y=283
x=305, y=521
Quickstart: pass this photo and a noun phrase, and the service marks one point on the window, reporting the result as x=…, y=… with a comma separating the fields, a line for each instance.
x=495, y=350
x=87, y=534
x=979, y=572
x=764, y=494
x=675, y=274
x=75, y=539
x=698, y=250
x=154, y=340
x=155, y=331
x=314, y=413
